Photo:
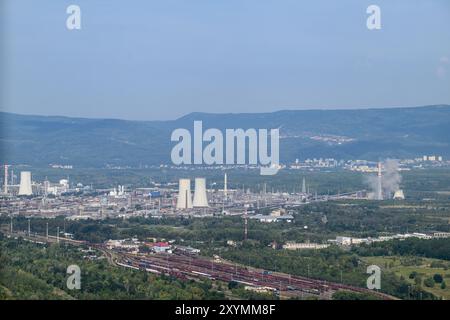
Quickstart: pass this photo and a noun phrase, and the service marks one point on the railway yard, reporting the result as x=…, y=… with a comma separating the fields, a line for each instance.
x=194, y=267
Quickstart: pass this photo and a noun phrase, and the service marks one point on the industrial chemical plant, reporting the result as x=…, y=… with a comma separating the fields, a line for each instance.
x=76, y=201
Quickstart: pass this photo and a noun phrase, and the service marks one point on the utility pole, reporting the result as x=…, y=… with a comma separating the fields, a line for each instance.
x=11, y=224
x=46, y=231
x=57, y=234
x=29, y=227
x=280, y=291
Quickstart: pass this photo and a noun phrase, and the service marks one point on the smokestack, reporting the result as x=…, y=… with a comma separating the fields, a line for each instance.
x=200, y=198
x=379, y=183
x=25, y=184
x=184, y=194
x=6, y=179
x=304, y=185
x=225, y=189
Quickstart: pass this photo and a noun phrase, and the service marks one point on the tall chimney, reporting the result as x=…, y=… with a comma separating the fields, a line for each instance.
x=225, y=188
x=6, y=179
x=379, y=183
x=304, y=185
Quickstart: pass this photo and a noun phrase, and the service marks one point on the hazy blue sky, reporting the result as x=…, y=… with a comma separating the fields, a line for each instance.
x=162, y=59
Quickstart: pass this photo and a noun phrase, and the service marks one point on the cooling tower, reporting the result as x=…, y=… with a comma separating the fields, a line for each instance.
x=184, y=194
x=25, y=184
x=200, y=199
x=399, y=195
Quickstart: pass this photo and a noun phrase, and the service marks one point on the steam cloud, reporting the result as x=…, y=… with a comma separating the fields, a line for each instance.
x=390, y=180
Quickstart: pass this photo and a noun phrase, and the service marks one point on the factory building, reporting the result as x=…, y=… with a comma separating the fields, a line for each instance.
x=307, y=245
x=56, y=189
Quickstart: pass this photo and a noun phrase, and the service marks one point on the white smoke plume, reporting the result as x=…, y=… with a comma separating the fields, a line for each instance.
x=390, y=180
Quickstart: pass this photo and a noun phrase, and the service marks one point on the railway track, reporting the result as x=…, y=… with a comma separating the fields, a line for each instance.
x=195, y=267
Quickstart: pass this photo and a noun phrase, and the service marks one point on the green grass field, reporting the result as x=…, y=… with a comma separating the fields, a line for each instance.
x=424, y=267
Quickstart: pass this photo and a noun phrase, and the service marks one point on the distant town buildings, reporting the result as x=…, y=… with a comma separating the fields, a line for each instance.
x=432, y=158
x=61, y=166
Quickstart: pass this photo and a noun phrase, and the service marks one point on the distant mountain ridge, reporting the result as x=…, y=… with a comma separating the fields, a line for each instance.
x=342, y=134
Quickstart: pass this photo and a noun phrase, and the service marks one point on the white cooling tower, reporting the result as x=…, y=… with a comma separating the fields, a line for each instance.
x=25, y=184
x=200, y=198
x=184, y=194
x=399, y=195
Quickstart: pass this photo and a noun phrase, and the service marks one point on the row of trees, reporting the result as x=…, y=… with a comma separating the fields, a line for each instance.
x=434, y=248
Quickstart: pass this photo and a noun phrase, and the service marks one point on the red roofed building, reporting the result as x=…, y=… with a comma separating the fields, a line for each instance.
x=161, y=246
